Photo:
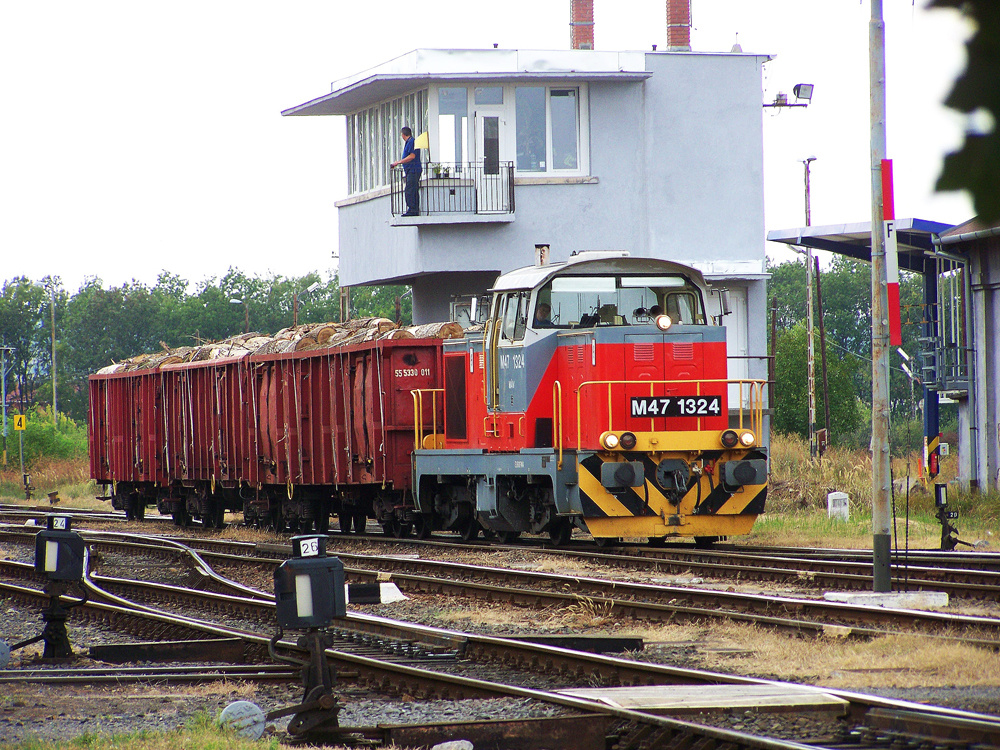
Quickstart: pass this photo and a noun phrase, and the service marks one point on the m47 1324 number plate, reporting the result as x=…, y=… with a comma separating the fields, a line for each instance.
x=676, y=406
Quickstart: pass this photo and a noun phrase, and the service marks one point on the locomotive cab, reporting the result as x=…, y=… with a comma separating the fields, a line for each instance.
x=597, y=398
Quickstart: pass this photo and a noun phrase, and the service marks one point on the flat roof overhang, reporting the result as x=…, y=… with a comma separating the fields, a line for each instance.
x=383, y=86
x=914, y=240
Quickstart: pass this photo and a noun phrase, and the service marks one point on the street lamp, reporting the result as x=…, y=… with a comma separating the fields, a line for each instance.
x=246, y=312
x=295, y=301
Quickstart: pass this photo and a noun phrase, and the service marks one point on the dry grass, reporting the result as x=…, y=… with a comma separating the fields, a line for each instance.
x=69, y=477
x=796, y=501
x=799, y=481
x=891, y=661
x=201, y=734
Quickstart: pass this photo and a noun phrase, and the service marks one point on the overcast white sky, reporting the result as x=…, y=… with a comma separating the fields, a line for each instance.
x=142, y=136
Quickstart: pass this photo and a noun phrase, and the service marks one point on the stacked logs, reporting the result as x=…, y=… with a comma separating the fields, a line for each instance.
x=293, y=339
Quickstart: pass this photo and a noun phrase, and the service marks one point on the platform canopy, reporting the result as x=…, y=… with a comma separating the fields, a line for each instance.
x=913, y=238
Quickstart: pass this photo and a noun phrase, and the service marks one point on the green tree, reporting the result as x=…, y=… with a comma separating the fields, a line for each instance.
x=976, y=166
x=102, y=326
x=846, y=291
x=791, y=410
x=22, y=304
x=367, y=301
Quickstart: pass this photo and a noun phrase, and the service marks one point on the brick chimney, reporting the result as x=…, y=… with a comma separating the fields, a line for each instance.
x=581, y=24
x=679, y=24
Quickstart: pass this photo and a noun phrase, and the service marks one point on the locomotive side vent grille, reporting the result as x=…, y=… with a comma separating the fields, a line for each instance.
x=642, y=352
x=571, y=354
x=683, y=351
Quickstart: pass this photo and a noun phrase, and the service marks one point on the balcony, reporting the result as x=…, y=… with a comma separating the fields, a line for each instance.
x=457, y=193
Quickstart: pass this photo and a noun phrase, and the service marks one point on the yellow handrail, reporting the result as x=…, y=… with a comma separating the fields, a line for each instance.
x=557, y=420
x=418, y=414
x=754, y=412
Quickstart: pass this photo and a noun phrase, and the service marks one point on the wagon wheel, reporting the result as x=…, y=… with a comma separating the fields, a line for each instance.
x=470, y=530
x=607, y=542
x=401, y=530
x=135, y=508
x=276, y=521
x=346, y=518
x=705, y=542
x=181, y=517
x=657, y=541
x=360, y=522
x=509, y=537
x=560, y=532
x=424, y=525
x=216, y=516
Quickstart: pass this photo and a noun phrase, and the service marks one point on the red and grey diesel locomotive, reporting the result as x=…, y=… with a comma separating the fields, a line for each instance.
x=596, y=396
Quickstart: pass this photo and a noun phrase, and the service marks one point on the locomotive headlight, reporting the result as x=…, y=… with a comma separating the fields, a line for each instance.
x=747, y=439
x=609, y=440
x=729, y=438
x=628, y=440
x=663, y=322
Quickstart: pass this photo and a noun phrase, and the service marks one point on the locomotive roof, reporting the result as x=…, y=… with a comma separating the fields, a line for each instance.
x=593, y=264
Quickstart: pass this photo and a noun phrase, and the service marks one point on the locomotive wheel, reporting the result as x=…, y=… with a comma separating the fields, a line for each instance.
x=509, y=537
x=360, y=522
x=705, y=542
x=560, y=532
x=470, y=530
x=607, y=542
x=657, y=541
x=397, y=529
x=345, y=519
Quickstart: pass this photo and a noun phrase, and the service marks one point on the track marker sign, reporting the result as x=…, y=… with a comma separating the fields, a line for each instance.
x=891, y=254
x=20, y=421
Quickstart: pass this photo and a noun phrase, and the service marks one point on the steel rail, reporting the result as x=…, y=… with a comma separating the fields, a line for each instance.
x=915, y=717
x=651, y=601
x=395, y=678
x=668, y=602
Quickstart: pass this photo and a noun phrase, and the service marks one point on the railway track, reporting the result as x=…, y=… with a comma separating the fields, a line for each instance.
x=652, y=602
x=883, y=720
x=962, y=575
x=965, y=575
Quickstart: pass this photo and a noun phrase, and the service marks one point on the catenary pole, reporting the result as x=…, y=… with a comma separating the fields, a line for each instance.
x=55, y=404
x=881, y=539
x=3, y=394
x=811, y=359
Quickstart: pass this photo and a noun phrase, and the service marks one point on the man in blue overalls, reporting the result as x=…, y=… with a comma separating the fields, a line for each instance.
x=411, y=169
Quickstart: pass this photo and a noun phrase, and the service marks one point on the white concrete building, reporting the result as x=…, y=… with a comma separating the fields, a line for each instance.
x=656, y=153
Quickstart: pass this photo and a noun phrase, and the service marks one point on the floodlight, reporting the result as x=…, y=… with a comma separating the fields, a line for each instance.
x=803, y=91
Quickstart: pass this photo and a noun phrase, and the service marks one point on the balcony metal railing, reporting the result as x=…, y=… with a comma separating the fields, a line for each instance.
x=458, y=188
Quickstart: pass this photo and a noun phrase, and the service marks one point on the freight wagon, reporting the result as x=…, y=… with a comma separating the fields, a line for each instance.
x=287, y=439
